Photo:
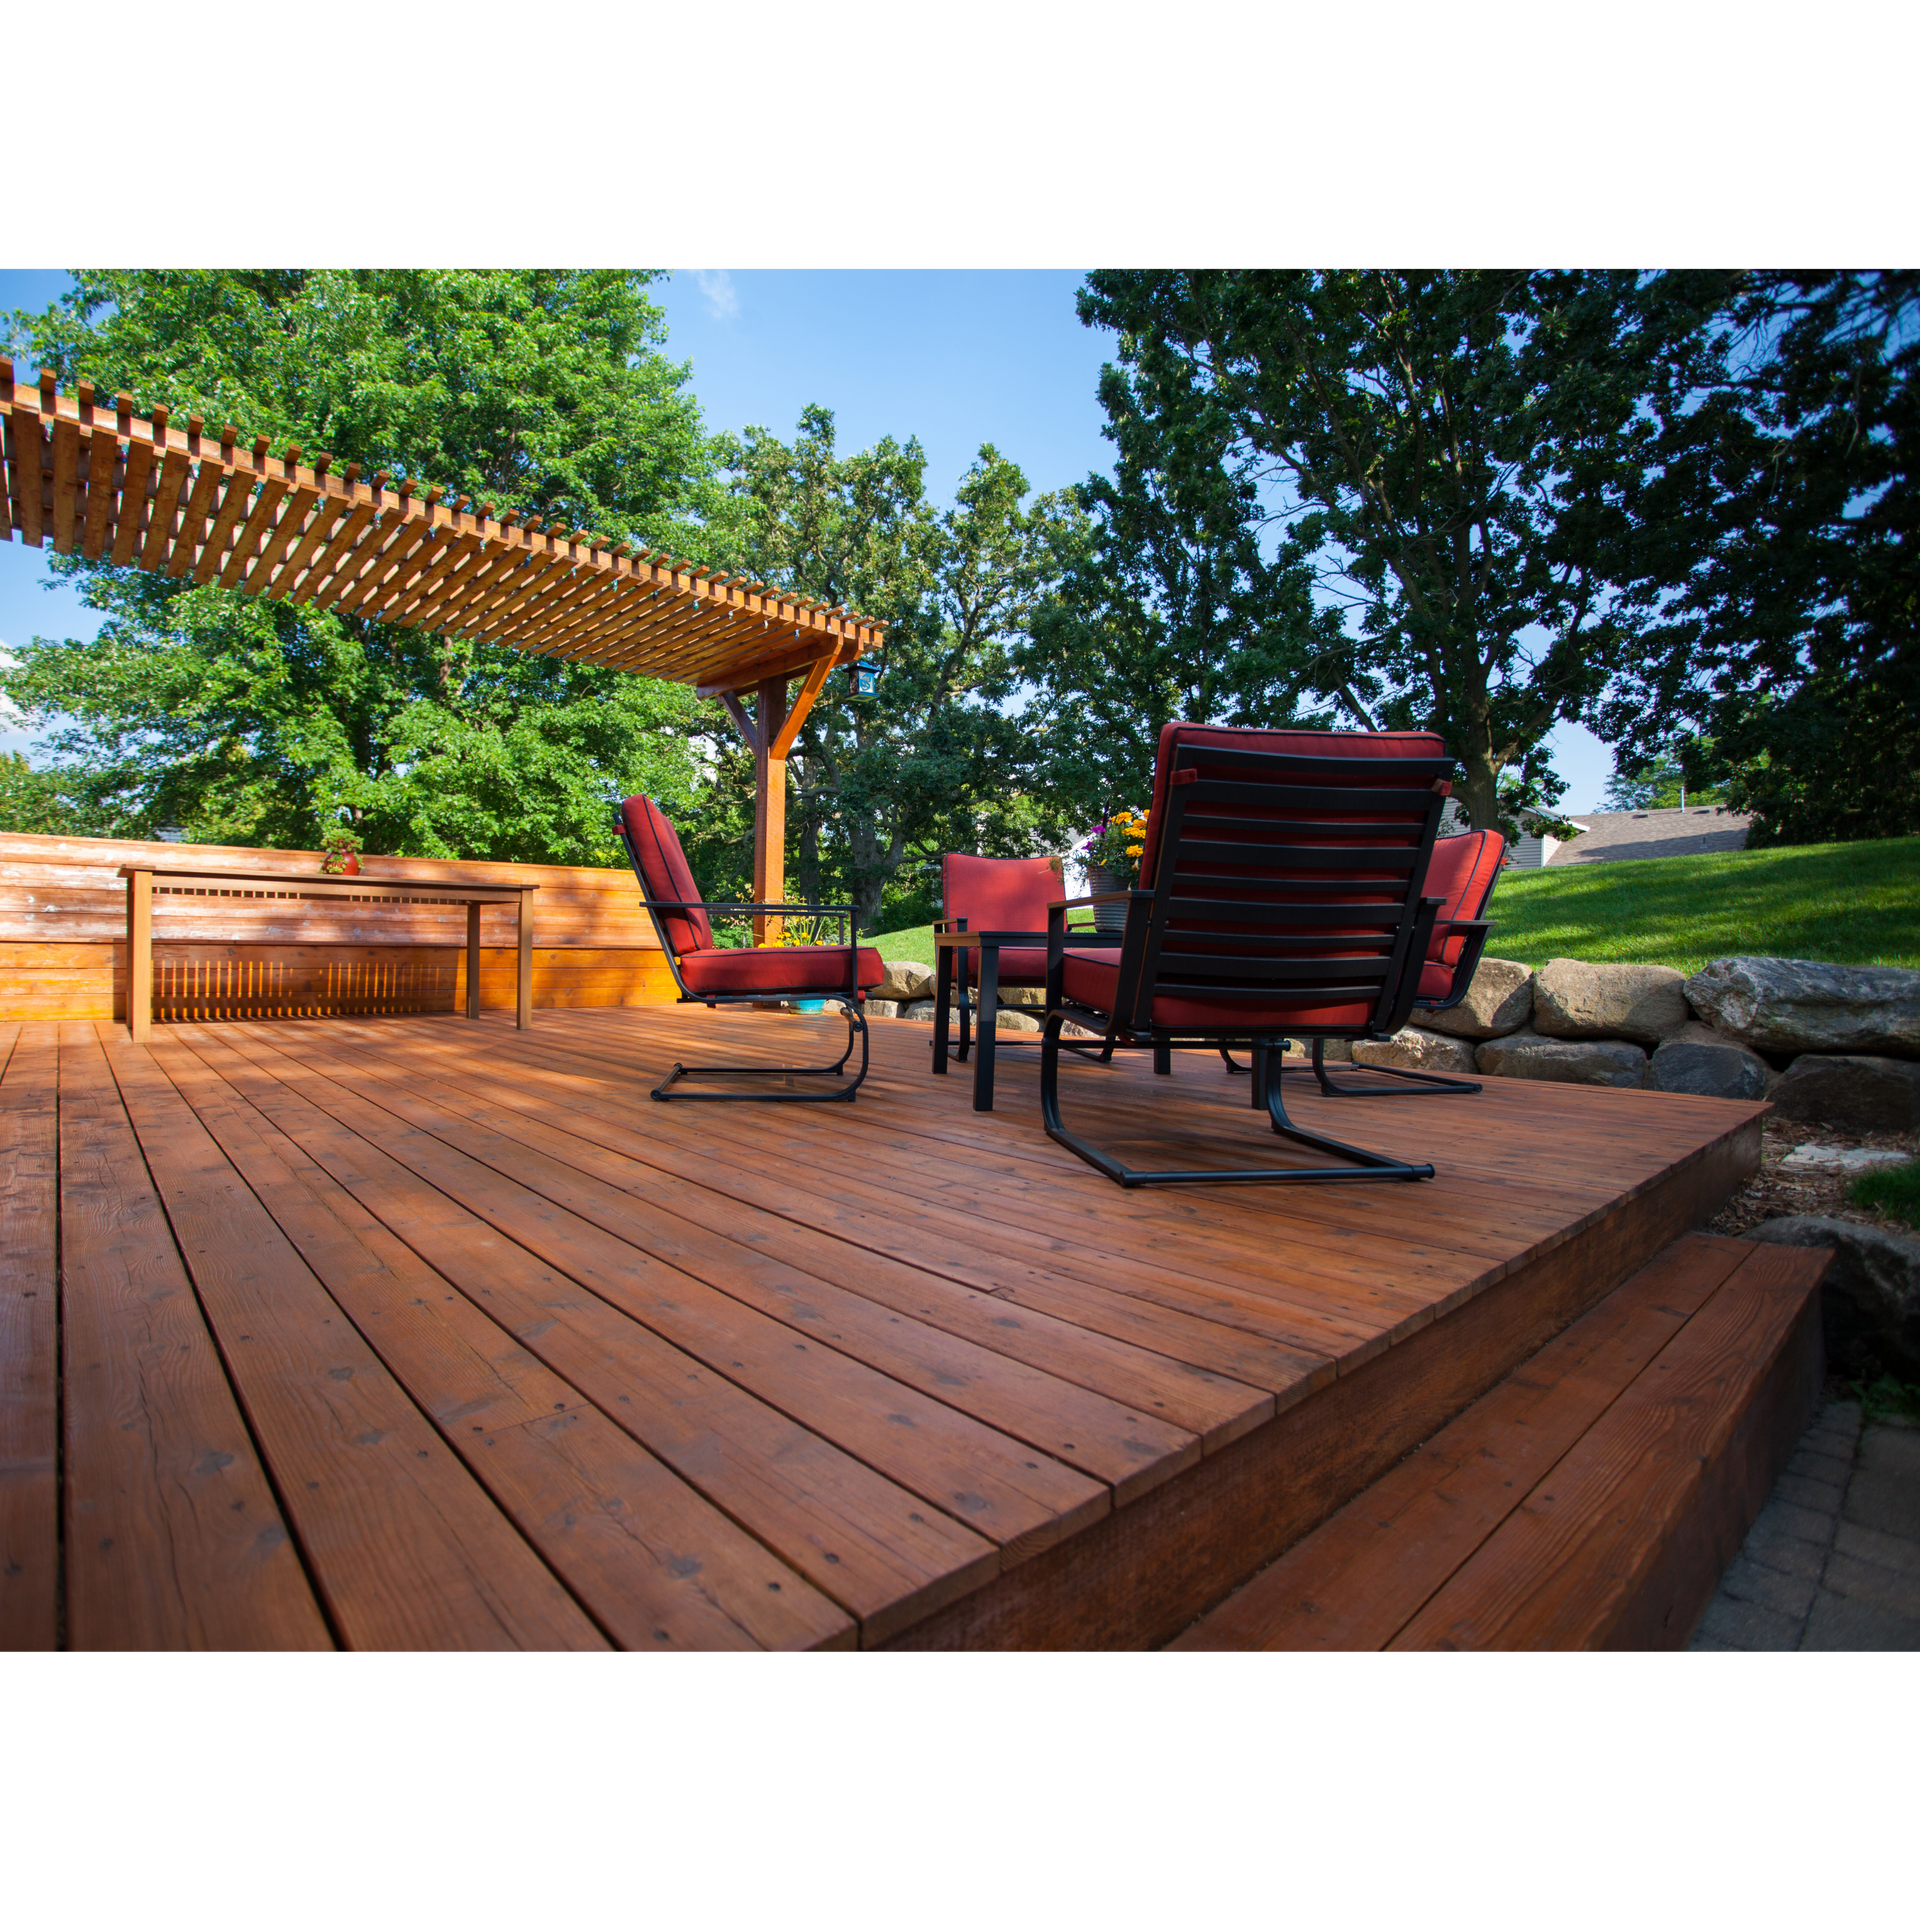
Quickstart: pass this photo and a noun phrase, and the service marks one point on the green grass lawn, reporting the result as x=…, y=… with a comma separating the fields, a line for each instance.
x=1857, y=903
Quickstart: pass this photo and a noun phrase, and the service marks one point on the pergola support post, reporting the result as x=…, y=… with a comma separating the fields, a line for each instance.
x=775, y=727
x=769, y=808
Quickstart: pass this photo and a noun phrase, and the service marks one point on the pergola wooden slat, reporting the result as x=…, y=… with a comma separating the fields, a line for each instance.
x=99, y=479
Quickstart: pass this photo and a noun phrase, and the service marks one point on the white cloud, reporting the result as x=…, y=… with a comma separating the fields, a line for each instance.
x=716, y=285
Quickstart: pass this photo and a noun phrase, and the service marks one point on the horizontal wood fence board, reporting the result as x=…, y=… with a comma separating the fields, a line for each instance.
x=895, y=1372
x=87, y=473
x=63, y=926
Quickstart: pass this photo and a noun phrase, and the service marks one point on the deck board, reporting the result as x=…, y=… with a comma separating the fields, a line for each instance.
x=29, y=1341
x=769, y=1376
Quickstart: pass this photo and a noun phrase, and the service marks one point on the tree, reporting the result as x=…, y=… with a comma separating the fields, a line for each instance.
x=1168, y=610
x=40, y=800
x=541, y=391
x=1775, y=557
x=932, y=761
x=1456, y=453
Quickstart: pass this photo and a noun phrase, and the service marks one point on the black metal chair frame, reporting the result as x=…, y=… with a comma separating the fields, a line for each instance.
x=1389, y=976
x=1476, y=932
x=848, y=996
x=950, y=978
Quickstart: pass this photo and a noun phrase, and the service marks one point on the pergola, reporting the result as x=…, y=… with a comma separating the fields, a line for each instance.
x=93, y=477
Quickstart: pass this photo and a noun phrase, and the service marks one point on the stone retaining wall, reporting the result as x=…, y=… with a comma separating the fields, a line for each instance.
x=1824, y=1043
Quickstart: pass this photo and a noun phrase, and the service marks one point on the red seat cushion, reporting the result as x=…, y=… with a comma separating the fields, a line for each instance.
x=1020, y=966
x=776, y=970
x=1093, y=978
x=1003, y=896
x=1463, y=870
x=664, y=869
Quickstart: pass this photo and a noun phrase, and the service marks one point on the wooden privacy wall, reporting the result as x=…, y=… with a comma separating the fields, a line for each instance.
x=63, y=925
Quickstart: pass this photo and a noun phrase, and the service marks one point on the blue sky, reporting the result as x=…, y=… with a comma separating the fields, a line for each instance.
x=957, y=358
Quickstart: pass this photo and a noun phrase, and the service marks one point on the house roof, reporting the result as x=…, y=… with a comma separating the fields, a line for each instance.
x=92, y=477
x=1655, y=833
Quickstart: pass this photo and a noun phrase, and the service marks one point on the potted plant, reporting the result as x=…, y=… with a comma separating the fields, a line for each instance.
x=340, y=852
x=1113, y=864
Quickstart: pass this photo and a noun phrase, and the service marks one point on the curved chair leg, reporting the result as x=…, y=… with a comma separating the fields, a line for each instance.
x=1429, y=1082
x=856, y=1019
x=1360, y=1163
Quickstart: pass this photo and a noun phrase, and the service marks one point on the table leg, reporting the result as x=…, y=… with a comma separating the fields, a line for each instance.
x=987, y=1004
x=473, y=959
x=523, y=986
x=942, y=1004
x=139, y=956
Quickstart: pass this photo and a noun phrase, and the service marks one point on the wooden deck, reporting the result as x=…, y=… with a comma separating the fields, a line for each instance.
x=424, y=1333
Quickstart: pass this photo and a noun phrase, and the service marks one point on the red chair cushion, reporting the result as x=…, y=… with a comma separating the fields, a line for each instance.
x=1002, y=896
x=1463, y=870
x=1357, y=746
x=664, y=869
x=1019, y=966
x=1093, y=979
x=776, y=970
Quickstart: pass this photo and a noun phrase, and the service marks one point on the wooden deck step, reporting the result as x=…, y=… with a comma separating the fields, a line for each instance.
x=1591, y=1499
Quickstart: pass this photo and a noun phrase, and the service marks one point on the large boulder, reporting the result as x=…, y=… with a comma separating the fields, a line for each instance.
x=1807, y=1006
x=1499, y=1000
x=904, y=980
x=1871, y=1300
x=1540, y=1056
x=1701, y=1059
x=1858, y=1092
x=1575, y=1001
x=1023, y=996
x=1422, y=1052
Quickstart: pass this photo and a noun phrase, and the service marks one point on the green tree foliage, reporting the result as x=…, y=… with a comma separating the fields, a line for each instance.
x=933, y=761
x=260, y=723
x=1663, y=780
x=41, y=800
x=1168, y=611
x=1455, y=454
x=1775, y=552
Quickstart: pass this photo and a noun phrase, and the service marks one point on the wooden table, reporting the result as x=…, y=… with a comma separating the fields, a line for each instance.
x=144, y=882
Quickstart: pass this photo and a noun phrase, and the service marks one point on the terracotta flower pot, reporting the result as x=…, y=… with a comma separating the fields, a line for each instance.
x=347, y=862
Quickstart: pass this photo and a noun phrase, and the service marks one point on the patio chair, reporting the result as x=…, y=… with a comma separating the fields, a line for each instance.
x=732, y=976
x=1283, y=892
x=1463, y=871
x=1003, y=903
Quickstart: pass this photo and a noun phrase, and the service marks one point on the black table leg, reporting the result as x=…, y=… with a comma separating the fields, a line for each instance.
x=988, y=1001
x=942, y=1005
